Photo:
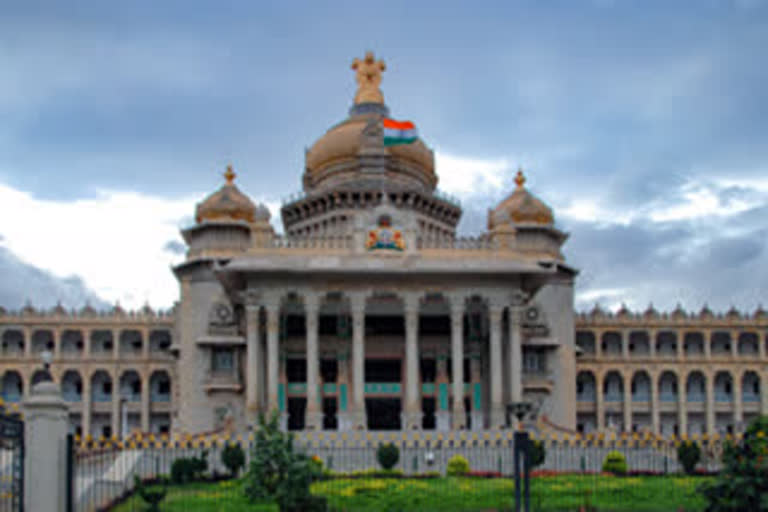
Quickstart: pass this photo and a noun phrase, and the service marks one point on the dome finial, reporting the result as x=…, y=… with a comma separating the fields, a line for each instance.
x=230, y=175
x=520, y=178
x=368, y=77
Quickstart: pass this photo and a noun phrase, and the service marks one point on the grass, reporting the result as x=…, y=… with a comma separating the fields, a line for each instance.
x=555, y=493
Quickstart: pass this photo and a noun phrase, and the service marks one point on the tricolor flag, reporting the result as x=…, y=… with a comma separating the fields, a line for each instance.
x=398, y=132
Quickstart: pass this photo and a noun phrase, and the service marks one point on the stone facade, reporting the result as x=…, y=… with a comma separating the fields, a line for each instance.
x=371, y=313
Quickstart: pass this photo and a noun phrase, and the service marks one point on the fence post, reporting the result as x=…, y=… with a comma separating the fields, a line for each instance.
x=45, y=461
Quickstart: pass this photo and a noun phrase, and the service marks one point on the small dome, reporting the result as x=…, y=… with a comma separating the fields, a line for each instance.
x=521, y=207
x=261, y=213
x=59, y=309
x=759, y=312
x=227, y=203
x=679, y=312
x=651, y=312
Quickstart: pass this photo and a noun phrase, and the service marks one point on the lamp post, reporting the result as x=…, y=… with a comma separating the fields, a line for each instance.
x=521, y=455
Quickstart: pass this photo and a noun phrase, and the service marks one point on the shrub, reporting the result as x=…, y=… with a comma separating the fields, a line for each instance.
x=233, y=458
x=279, y=473
x=457, y=465
x=743, y=481
x=615, y=463
x=388, y=455
x=537, y=453
x=152, y=497
x=688, y=453
x=187, y=469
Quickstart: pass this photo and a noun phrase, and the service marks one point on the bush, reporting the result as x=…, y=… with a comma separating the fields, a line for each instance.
x=457, y=465
x=279, y=473
x=688, y=454
x=153, y=497
x=615, y=463
x=233, y=458
x=537, y=453
x=743, y=481
x=388, y=454
x=187, y=469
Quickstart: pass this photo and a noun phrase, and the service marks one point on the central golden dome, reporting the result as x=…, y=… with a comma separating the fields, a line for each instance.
x=351, y=148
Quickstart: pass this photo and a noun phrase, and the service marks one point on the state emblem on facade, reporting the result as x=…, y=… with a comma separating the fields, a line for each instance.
x=384, y=236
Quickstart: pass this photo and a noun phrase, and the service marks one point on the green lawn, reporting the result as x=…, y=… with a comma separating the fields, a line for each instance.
x=557, y=493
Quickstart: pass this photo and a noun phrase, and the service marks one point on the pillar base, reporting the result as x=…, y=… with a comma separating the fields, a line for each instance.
x=443, y=421
x=498, y=419
x=284, y=421
x=358, y=421
x=411, y=420
x=345, y=420
x=313, y=420
x=459, y=419
x=478, y=422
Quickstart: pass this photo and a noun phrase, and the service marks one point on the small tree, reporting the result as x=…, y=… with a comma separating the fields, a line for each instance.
x=743, y=481
x=688, y=454
x=537, y=453
x=615, y=463
x=457, y=466
x=152, y=497
x=233, y=458
x=388, y=454
x=279, y=473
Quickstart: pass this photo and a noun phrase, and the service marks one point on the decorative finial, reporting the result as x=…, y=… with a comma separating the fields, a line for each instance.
x=230, y=175
x=368, y=77
x=520, y=178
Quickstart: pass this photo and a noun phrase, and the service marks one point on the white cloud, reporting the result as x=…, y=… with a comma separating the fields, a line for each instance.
x=466, y=176
x=115, y=241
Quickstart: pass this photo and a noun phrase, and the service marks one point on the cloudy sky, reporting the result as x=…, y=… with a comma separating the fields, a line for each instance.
x=643, y=123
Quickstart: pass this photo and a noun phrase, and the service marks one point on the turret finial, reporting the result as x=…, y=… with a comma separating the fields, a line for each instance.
x=520, y=178
x=230, y=175
x=368, y=77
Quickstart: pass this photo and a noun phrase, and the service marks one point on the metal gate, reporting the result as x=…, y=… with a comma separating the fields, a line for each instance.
x=11, y=463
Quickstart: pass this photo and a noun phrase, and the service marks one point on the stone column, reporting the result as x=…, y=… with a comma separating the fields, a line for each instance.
x=627, y=403
x=273, y=356
x=314, y=415
x=457, y=361
x=86, y=423
x=734, y=334
x=710, y=404
x=600, y=402
x=625, y=343
x=145, y=343
x=442, y=415
x=680, y=345
x=411, y=419
x=56, y=333
x=682, y=405
x=655, y=403
x=253, y=367
x=116, y=416
x=27, y=342
x=761, y=347
x=146, y=391
x=497, y=419
x=45, y=457
x=738, y=409
x=708, y=345
x=115, y=344
x=764, y=394
x=357, y=305
x=652, y=342
x=515, y=354
x=598, y=344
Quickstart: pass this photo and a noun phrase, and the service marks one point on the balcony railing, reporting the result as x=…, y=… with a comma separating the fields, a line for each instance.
x=723, y=397
x=696, y=397
x=586, y=397
x=750, y=397
x=641, y=397
x=160, y=397
x=668, y=396
x=72, y=396
x=614, y=397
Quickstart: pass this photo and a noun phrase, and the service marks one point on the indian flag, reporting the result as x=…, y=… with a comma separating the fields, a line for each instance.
x=398, y=132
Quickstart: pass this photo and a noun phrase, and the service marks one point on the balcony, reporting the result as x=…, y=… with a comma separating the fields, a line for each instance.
x=668, y=396
x=696, y=397
x=612, y=396
x=721, y=397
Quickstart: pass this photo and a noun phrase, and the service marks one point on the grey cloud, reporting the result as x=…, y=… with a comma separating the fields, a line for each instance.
x=21, y=282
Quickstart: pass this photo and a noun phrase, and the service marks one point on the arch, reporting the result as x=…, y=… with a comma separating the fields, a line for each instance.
x=131, y=342
x=159, y=340
x=12, y=386
x=721, y=343
x=693, y=343
x=13, y=342
x=613, y=387
x=611, y=344
x=160, y=386
x=696, y=387
x=641, y=387
x=666, y=343
x=639, y=343
x=72, y=386
x=72, y=342
x=586, y=341
x=750, y=387
x=723, y=386
x=586, y=385
x=101, y=386
x=668, y=386
x=42, y=340
x=749, y=344
x=38, y=377
x=130, y=386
